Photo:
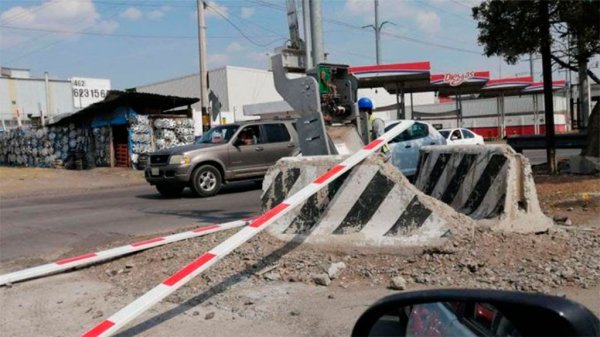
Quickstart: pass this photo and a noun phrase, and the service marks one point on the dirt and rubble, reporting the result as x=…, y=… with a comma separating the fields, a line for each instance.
x=303, y=290
x=18, y=182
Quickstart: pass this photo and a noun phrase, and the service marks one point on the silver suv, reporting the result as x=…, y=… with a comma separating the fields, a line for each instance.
x=241, y=151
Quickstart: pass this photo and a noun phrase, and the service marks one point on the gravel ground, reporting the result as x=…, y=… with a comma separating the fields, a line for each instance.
x=304, y=290
x=23, y=181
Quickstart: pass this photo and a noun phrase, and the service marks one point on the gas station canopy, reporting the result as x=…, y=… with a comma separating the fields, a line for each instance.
x=408, y=75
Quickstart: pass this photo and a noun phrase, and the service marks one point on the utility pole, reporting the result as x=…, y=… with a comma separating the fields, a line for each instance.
x=316, y=31
x=203, y=70
x=377, y=28
x=307, y=33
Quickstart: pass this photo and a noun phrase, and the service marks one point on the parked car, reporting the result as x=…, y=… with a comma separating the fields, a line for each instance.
x=405, y=147
x=241, y=151
x=461, y=136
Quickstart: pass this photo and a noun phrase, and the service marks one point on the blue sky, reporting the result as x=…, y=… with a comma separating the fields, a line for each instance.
x=144, y=41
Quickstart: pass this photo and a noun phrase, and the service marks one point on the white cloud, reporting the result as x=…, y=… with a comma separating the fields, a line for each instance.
x=217, y=60
x=234, y=47
x=71, y=16
x=214, y=10
x=388, y=9
x=259, y=56
x=131, y=13
x=393, y=10
x=247, y=12
x=158, y=13
x=428, y=22
x=155, y=14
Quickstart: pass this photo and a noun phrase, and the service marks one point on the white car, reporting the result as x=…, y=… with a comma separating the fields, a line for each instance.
x=461, y=136
x=405, y=147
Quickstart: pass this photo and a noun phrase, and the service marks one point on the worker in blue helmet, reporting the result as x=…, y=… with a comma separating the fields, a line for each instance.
x=375, y=126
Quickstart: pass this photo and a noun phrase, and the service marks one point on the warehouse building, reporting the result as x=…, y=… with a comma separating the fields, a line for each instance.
x=236, y=87
x=117, y=131
x=25, y=98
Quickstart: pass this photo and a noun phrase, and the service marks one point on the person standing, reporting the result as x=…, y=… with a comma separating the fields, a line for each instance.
x=375, y=126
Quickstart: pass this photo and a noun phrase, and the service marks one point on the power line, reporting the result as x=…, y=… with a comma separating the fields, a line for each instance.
x=140, y=36
x=258, y=44
x=398, y=36
x=464, y=18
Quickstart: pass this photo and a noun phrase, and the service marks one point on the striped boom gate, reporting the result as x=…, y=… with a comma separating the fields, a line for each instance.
x=111, y=325
x=95, y=257
x=490, y=183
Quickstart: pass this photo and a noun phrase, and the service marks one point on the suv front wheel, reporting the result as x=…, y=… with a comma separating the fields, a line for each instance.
x=206, y=181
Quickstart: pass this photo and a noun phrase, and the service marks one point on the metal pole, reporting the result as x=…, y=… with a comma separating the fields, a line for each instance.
x=536, y=126
x=531, y=67
x=42, y=114
x=307, y=34
x=203, y=71
x=397, y=102
x=411, y=106
x=316, y=30
x=403, y=105
x=377, y=33
x=503, y=133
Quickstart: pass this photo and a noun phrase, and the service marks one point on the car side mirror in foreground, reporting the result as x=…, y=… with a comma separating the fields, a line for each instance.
x=467, y=312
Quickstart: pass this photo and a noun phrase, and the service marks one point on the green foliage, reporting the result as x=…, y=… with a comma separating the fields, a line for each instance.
x=512, y=28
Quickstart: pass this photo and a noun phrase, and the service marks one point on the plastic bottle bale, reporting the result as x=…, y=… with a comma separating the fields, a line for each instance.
x=73, y=144
x=72, y=134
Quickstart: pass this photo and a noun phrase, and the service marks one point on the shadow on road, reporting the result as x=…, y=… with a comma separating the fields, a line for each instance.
x=230, y=188
x=215, y=290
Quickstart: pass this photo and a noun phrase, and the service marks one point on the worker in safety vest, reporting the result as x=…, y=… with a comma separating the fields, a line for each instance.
x=375, y=126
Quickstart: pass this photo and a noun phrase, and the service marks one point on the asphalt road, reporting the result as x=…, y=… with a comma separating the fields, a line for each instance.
x=539, y=156
x=50, y=226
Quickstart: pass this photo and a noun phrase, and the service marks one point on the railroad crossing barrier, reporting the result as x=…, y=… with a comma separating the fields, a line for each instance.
x=206, y=260
x=95, y=257
x=489, y=183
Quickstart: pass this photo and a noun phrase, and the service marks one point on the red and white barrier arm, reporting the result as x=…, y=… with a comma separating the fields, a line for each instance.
x=90, y=258
x=185, y=274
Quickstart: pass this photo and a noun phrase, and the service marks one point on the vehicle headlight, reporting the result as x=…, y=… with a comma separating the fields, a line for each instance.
x=180, y=160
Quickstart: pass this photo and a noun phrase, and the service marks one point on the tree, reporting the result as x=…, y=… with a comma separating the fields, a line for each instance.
x=511, y=29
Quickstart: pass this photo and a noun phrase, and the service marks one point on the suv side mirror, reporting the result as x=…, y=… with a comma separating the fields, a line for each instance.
x=473, y=312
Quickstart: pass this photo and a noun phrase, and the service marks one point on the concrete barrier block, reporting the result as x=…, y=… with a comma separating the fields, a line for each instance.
x=372, y=205
x=490, y=183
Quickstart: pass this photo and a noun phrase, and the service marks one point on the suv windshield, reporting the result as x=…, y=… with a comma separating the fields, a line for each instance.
x=218, y=135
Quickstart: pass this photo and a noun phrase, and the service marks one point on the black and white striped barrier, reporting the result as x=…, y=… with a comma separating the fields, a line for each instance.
x=489, y=183
x=372, y=205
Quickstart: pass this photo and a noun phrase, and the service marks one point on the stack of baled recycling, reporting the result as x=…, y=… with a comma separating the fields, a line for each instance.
x=141, y=134
x=171, y=132
x=42, y=147
x=102, y=145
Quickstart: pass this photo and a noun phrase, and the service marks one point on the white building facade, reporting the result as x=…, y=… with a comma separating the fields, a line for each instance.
x=23, y=97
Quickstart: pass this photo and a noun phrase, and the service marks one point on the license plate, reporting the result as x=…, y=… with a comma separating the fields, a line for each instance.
x=154, y=171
